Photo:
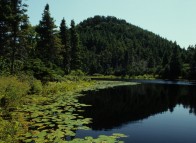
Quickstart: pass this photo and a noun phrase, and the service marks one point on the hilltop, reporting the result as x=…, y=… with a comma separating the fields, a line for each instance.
x=113, y=46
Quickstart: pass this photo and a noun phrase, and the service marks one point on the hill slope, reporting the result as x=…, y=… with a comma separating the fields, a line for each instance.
x=113, y=46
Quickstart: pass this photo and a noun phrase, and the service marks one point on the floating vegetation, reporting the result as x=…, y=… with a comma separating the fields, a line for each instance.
x=56, y=121
x=101, y=139
x=52, y=115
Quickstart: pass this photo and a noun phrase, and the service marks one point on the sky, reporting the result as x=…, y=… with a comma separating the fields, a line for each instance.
x=171, y=19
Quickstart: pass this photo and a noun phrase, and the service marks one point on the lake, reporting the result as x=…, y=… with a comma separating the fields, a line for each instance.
x=151, y=112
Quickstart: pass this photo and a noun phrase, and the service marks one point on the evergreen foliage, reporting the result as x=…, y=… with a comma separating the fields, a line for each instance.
x=48, y=43
x=64, y=35
x=98, y=45
x=13, y=25
x=175, y=63
x=117, y=46
x=75, y=48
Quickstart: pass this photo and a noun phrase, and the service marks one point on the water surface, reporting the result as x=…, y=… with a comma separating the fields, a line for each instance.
x=149, y=112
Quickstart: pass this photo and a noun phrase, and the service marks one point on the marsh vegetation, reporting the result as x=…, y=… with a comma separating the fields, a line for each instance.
x=31, y=111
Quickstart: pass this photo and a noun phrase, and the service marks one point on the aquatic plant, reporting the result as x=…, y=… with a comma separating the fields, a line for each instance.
x=45, y=113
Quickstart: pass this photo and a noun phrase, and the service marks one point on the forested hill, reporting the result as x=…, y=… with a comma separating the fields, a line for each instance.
x=103, y=45
x=113, y=46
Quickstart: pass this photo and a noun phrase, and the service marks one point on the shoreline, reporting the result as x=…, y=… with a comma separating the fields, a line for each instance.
x=103, y=84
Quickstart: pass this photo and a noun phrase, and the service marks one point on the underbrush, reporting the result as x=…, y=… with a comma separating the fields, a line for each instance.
x=30, y=109
x=18, y=92
x=12, y=91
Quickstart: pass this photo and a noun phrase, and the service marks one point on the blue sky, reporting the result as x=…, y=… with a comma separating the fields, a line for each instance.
x=171, y=19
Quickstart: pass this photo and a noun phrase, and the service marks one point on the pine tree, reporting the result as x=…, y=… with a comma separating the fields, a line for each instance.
x=66, y=48
x=175, y=64
x=13, y=23
x=165, y=59
x=48, y=43
x=4, y=34
x=4, y=25
x=75, y=48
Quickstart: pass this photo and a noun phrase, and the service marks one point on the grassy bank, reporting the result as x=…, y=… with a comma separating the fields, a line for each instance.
x=33, y=111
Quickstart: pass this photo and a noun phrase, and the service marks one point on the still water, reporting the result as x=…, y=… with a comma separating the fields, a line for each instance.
x=151, y=112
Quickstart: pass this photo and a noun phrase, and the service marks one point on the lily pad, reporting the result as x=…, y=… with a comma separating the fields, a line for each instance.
x=42, y=134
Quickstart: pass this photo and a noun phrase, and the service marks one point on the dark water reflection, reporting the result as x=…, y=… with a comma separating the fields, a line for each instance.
x=146, y=113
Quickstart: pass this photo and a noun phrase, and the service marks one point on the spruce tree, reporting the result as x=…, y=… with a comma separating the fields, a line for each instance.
x=66, y=47
x=175, y=64
x=165, y=69
x=48, y=43
x=75, y=48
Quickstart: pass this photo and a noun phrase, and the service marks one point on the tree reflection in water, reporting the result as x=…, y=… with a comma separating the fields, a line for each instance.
x=117, y=106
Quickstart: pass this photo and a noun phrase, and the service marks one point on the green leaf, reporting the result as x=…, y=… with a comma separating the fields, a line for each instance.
x=28, y=140
x=42, y=134
x=28, y=135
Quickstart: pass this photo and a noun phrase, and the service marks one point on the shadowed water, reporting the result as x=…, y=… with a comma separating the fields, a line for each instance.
x=149, y=112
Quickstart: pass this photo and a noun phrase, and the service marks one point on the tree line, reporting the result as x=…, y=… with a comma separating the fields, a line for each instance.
x=41, y=50
x=98, y=45
x=121, y=48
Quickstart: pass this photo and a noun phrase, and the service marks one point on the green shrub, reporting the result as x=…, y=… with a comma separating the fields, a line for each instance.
x=12, y=90
x=8, y=131
x=77, y=73
x=185, y=71
x=43, y=71
x=36, y=87
x=4, y=69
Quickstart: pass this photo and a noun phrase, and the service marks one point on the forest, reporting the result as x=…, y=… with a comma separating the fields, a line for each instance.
x=98, y=45
x=43, y=66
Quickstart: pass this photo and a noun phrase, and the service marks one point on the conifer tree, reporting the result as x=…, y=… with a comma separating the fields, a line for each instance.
x=4, y=36
x=13, y=23
x=75, y=48
x=48, y=43
x=66, y=47
x=4, y=26
x=175, y=64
